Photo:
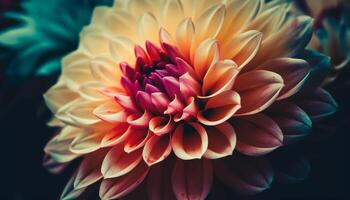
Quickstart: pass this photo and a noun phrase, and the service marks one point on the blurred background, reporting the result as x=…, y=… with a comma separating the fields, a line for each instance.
x=36, y=34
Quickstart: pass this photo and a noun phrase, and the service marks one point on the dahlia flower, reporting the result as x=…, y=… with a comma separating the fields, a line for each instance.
x=163, y=89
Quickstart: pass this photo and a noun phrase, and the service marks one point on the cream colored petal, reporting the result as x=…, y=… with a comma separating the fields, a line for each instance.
x=242, y=48
x=106, y=71
x=58, y=95
x=209, y=23
x=82, y=113
x=147, y=28
x=120, y=23
x=91, y=92
x=86, y=142
x=76, y=74
x=95, y=43
x=58, y=146
x=171, y=13
x=122, y=49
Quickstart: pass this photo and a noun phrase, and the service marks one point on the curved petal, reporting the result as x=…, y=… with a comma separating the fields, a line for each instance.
x=156, y=149
x=192, y=179
x=82, y=113
x=77, y=73
x=204, y=56
x=257, y=134
x=58, y=146
x=161, y=125
x=69, y=192
x=159, y=182
x=220, y=108
x=318, y=104
x=293, y=71
x=242, y=48
x=189, y=141
x=184, y=36
x=139, y=120
x=136, y=138
x=89, y=170
x=222, y=141
x=86, y=142
x=118, y=163
x=258, y=90
x=245, y=175
x=293, y=121
x=116, y=135
x=104, y=71
x=91, y=92
x=111, y=112
x=118, y=187
x=219, y=77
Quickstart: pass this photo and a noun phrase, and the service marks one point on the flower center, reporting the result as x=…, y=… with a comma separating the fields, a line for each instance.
x=160, y=81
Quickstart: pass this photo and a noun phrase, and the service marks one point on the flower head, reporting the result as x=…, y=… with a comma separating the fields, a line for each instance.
x=199, y=79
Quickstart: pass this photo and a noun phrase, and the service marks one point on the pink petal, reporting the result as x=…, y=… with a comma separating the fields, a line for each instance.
x=156, y=149
x=293, y=71
x=258, y=90
x=136, y=139
x=160, y=101
x=116, y=135
x=118, y=187
x=189, y=86
x=220, y=108
x=222, y=141
x=126, y=102
x=189, y=141
x=139, y=120
x=118, y=163
x=89, y=170
x=257, y=134
x=191, y=180
x=161, y=125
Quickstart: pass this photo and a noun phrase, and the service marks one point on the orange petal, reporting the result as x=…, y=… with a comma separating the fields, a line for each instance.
x=192, y=179
x=118, y=163
x=136, y=138
x=116, y=135
x=219, y=77
x=205, y=55
x=184, y=36
x=257, y=134
x=189, y=141
x=293, y=71
x=156, y=149
x=118, y=187
x=139, y=120
x=258, y=90
x=220, y=108
x=222, y=141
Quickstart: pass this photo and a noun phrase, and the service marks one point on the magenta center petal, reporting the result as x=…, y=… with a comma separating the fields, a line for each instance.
x=157, y=71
